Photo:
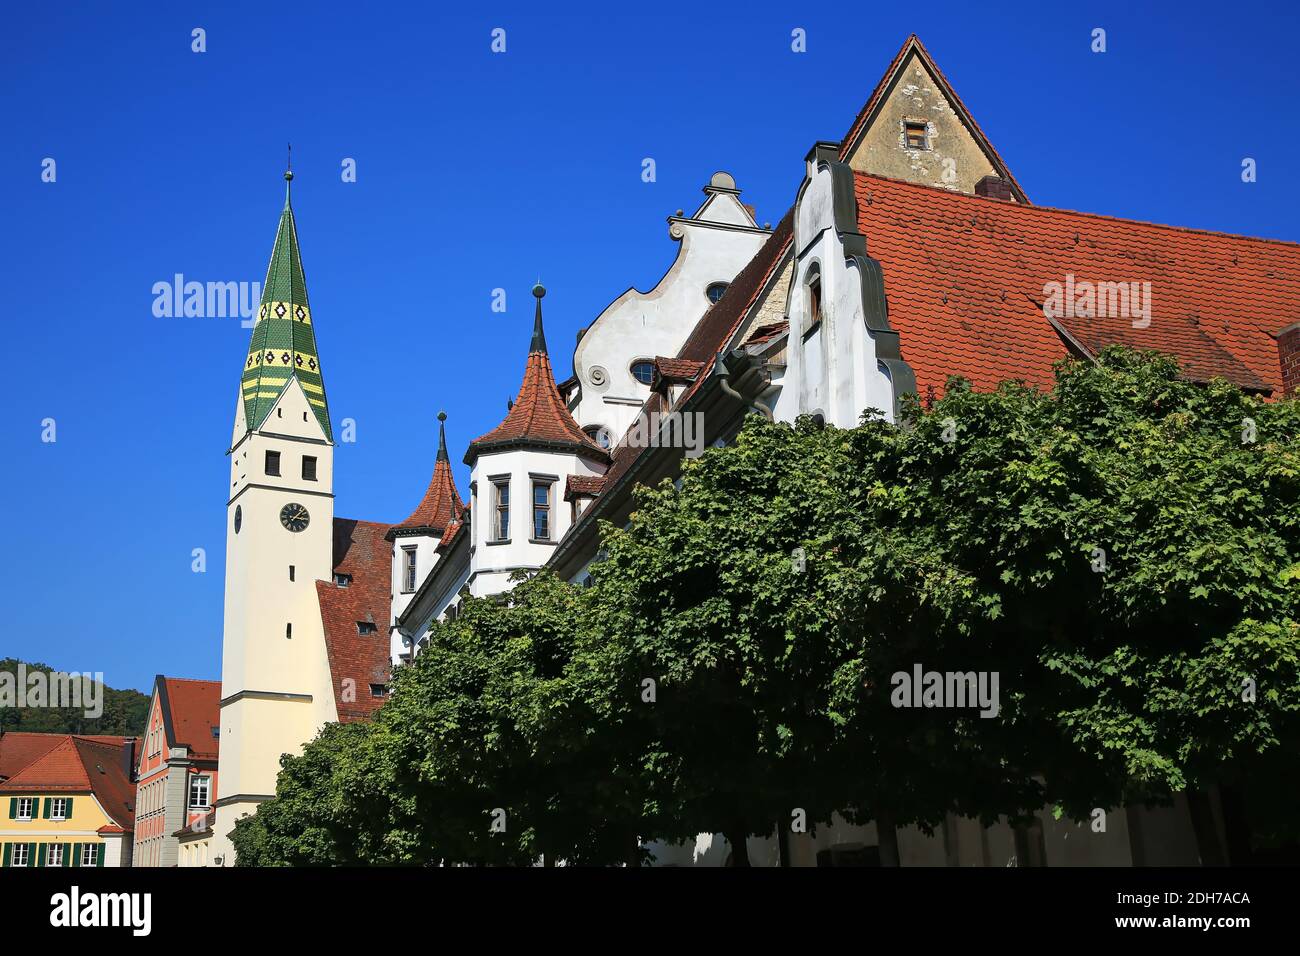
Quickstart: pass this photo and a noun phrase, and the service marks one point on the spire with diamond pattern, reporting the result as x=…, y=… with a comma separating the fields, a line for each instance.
x=283, y=345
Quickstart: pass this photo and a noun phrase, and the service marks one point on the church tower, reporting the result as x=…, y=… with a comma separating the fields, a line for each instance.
x=275, y=679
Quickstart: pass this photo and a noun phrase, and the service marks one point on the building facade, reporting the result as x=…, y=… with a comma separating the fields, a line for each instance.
x=68, y=800
x=910, y=253
x=176, y=781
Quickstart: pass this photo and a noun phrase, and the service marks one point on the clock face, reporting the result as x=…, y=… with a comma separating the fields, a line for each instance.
x=239, y=518
x=294, y=516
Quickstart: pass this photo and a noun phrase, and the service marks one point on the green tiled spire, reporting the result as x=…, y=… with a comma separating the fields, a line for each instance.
x=283, y=343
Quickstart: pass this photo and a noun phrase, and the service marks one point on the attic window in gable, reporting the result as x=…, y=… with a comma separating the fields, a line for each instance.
x=915, y=135
x=367, y=627
x=643, y=371
x=715, y=291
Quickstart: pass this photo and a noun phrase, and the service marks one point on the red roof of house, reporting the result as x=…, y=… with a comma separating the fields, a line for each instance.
x=453, y=530
x=100, y=765
x=358, y=660
x=441, y=502
x=19, y=748
x=192, y=708
x=576, y=485
x=538, y=416
x=965, y=277
x=913, y=44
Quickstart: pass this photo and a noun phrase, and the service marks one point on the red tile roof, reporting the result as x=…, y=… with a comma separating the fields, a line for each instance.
x=358, y=660
x=913, y=43
x=538, y=416
x=441, y=501
x=453, y=531
x=193, y=708
x=766, y=333
x=18, y=749
x=100, y=765
x=676, y=370
x=576, y=485
x=965, y=276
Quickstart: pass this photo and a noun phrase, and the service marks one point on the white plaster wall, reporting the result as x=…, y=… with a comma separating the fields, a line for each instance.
x=716, y=243
x=493, y=562
x=835, y=371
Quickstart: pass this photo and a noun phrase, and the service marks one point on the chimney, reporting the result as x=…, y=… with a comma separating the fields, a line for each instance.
x=1288, y=351
x=128, y=758
x=993, y=187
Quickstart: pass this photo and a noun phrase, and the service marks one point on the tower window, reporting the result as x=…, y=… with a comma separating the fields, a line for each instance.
x=288, y=632
x=291, y=572
x=308, y=468
x=501, y=528
x=643, y=371
x=541, y=511
x=915, y=135
x=408, y=570
x=273, y=463
x=367, y=627
x=715, y=291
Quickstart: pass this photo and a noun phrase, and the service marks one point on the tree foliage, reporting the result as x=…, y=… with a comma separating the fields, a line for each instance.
x=1123, y=552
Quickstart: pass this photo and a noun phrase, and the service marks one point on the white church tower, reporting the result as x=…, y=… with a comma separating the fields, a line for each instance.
x=275, y=678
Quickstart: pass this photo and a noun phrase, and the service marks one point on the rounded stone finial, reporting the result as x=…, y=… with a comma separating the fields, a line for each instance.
x=442, y=416
x=722, y=180
x=539, y=290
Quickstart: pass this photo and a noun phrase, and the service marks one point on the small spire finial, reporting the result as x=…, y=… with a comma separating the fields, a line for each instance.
x=539, y=338
x=442, y=437
x=288, y=175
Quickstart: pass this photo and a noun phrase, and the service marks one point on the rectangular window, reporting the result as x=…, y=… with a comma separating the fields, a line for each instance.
x=19, y=857
x=26, y=808
x=291, y=572
x=59, y=808
x=914, y=134
x=90, y=854
x=55, y=855
x=378, y=690
x=367, y=627
x=288, y=632
x=408, y=570
x=541, y=511
x=200, y=792
x=308, y=468
x=502, y=527
x=343, y=580
x=273, y=463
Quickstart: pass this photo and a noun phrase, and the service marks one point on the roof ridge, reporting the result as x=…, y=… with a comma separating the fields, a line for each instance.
x=1039, y=208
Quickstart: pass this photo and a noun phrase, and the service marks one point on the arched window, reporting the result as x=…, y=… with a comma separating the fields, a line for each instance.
x=643, y=370
x=599, y=434
x=714, y=292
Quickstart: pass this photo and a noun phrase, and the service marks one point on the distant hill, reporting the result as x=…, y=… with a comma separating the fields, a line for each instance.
x=124, y=712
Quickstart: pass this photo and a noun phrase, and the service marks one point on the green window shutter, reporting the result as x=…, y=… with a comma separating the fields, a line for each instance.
x=13, y=808
x=67, y=809
x=76, y=854
x=40, y=855
x=31, y=854
x=45, y=810
x=99, y=855
x=8, y=848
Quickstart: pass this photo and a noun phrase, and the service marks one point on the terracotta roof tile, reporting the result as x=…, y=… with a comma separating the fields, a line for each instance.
x=577, y=485
x=194, y=709
x=965, y=278
x=100, y=765
x=539, y=415
x=358, y=660
x=441, y=501
x=765, y=333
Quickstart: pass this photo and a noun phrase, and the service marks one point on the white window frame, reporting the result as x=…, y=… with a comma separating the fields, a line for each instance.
x=90, y=854
x=204, y=781
x=55, y=848
x=409, y=567
x=59, y=808
x=500, y=510
x=32, y=803
x=23, y=849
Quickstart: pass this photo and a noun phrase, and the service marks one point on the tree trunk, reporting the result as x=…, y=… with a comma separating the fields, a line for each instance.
x=739, y=851
x=634, y=854
x=888, y=837
x=783, y=842
x=1207, y=836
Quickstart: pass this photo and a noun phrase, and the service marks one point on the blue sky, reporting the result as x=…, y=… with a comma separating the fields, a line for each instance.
x=474, y=171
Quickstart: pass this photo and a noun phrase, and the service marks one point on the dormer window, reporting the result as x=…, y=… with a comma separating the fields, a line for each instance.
x=916, y=134
x=599, y=434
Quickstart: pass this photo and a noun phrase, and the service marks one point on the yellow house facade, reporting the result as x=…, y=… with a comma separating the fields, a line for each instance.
x=70, y=804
